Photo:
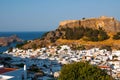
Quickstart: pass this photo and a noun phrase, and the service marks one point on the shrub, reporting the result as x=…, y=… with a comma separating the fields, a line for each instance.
x=116, y=36
x=102, y=35
x=88, y=34
x=34, y=46
x=108, y=48
x=82, y=71
x=10, y=49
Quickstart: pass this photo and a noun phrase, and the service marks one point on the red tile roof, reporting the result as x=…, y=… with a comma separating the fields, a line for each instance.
x=103, y=66
x=4, y=70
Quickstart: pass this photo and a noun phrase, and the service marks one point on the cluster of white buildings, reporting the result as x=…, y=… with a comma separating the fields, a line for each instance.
x=51, y=59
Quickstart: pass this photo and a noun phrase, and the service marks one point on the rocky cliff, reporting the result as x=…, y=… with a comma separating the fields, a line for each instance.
x=5, y=41
x=109, y=24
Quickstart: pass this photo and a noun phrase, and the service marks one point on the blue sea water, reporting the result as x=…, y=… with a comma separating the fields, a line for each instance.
x=21, y=35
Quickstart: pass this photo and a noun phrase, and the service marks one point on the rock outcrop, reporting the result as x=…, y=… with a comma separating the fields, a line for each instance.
x=5, y=41
x=58, y=36
x=109, y=24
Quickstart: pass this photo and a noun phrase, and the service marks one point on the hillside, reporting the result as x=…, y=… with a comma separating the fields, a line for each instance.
x=92, y=32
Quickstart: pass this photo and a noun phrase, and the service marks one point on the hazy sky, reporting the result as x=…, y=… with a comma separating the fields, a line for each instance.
x=45, y=15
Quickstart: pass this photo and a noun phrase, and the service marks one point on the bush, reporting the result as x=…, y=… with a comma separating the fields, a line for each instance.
x=88, y=34
x=34, y=46
x=10, y=49
x=102, y=35
x=82, y=71
x=116, y=36
x=108, y=48
x=79, y=47
x=74, y=34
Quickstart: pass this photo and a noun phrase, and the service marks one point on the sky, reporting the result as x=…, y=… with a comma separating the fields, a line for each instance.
x=45, y=15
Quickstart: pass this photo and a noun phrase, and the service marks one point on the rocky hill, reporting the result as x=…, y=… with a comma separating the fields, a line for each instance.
x=109, y=24
x=5, y=41
x=93, y=30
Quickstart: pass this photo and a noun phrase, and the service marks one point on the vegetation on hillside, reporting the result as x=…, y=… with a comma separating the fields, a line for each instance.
x=83, y=37
x=78, y=47
x=116, y=36
x=10, y=49
x=108, y=48
x=87, y=34
x=82, y=71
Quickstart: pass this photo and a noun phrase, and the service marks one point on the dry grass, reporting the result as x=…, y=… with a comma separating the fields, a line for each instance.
x=115, y=44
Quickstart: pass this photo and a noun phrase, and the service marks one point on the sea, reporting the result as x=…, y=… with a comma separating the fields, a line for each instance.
x=22, y=35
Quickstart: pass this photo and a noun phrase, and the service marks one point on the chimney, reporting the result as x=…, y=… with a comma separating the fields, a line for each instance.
x=25, y=73
x=24, y=67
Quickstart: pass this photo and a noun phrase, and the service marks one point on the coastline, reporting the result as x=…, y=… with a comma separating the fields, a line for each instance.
x=22, y=35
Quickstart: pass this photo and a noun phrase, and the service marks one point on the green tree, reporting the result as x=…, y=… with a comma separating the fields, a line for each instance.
x=10, y=49
x=83, y=18
x=82, y=71
x=102, y=35
x=79, y=47
x=117, y=36
x=58, y=47
x=34, y=46
x=107, y=47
